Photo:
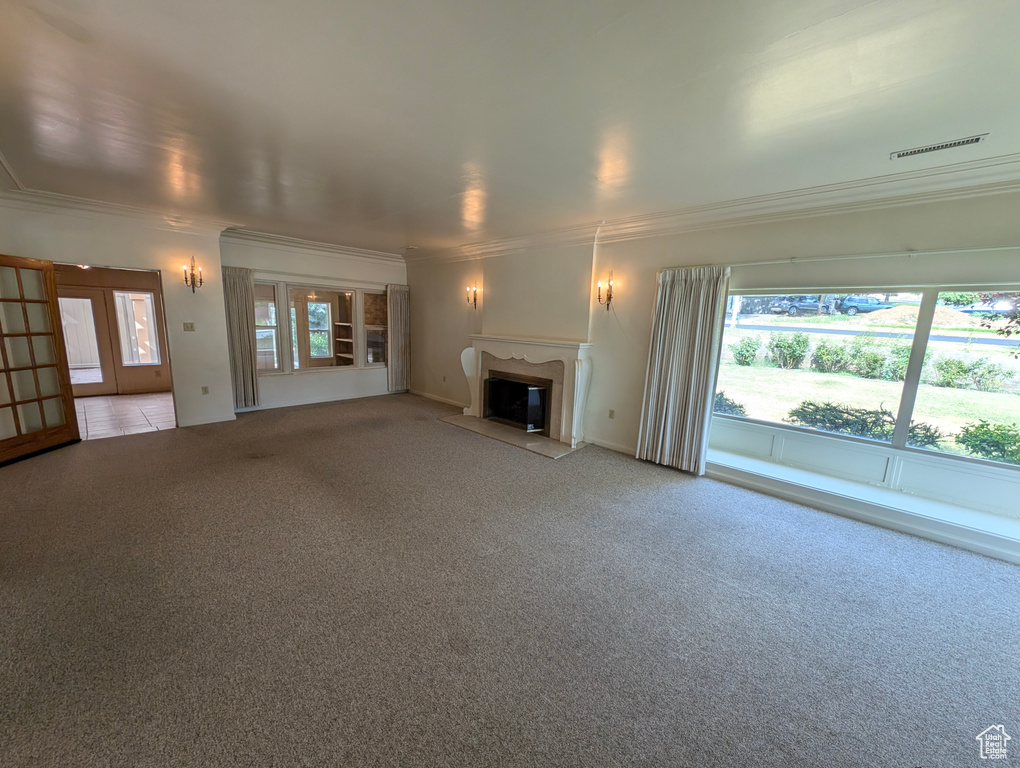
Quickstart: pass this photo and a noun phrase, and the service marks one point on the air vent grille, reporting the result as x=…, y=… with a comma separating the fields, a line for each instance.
x=938, y=147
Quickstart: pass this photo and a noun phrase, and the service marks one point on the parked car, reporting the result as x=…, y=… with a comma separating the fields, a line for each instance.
x=791, y=305
x=988, y=308
x=851, y=305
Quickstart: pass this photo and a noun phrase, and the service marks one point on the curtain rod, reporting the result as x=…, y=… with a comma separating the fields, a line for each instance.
x=804, y=259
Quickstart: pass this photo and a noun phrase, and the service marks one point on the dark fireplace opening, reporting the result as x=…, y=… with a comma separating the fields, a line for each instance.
x=520, y=401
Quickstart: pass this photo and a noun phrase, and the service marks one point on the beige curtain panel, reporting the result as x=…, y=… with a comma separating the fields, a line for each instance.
x=239, y=295
x=398, y=369
x=683, y=361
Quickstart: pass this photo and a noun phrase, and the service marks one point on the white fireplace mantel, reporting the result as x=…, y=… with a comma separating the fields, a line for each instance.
x=576, y=357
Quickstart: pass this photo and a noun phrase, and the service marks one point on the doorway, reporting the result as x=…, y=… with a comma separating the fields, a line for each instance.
x=117, y=352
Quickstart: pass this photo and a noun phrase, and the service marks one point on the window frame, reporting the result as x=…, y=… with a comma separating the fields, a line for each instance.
x=367, y=328
x=915, y=366
x=286, y=328
x=278, y=368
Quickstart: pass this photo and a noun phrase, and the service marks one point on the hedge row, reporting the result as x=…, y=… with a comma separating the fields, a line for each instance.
x=863, y=357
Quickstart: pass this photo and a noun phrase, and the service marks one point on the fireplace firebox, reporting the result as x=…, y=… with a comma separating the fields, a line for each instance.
x=520, y=401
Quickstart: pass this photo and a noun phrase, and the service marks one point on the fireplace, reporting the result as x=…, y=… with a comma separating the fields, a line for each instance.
x=517, y=400
x=563, y=366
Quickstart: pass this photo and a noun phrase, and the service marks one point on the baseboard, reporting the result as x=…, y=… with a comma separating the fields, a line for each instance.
x=439, y=399
x=974, y=531
x=619, y=448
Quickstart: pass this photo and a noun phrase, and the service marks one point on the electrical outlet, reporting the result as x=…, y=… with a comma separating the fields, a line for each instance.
x=612, y=413
x=189, y=327
x=205, y=390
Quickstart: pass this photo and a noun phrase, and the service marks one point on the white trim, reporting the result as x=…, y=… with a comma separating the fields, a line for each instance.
x=48, y=202
x=975, y=531
x=438, y=399
x=9, y=170
x=976, y=178
x=576, y=345
x=618, y=447
x=297, y=245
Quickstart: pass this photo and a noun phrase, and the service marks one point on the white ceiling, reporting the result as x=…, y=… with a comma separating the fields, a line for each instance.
x=381, y=124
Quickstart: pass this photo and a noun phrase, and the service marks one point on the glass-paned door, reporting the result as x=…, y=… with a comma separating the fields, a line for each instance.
x=86, y=327
x=36, y=404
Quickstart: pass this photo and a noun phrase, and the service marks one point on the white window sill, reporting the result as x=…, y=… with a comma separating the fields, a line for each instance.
x=977, y=531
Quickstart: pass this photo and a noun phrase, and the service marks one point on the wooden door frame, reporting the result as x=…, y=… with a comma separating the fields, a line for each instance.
x=22, y=446
x=104, y=342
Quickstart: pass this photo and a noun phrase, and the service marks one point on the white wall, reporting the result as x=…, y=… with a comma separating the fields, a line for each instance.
x=197, y=359
x=538, y=294
x=284, y=261
x=441, y=322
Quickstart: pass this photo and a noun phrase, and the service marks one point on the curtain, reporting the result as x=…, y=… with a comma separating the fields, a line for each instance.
x=683, y=359
x=239, y=296
x=398, y=306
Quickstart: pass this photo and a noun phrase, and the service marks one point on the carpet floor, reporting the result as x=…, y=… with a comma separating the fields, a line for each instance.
x=360, y=584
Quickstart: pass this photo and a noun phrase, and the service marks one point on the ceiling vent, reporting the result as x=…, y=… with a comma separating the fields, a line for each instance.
x=938, y=147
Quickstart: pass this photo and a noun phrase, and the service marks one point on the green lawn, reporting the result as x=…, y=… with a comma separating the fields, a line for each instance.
x=770, y=393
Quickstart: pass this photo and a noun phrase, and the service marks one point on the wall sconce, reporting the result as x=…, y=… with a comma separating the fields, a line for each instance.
x=609, y=292
x=472, y=296
x=190, y=279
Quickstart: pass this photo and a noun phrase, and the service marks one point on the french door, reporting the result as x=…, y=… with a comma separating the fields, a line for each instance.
x=36, y=404
x=86, y=325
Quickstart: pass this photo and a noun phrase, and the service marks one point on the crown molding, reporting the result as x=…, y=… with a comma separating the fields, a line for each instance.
x=977, y=178
x=48, y=202
x=297, y=245
x=9, y=170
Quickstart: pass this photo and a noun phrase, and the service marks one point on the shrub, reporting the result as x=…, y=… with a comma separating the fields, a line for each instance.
x=950, y=372
x=788, y=350
x=746, y=350
x=988, y=376
x=865, y=361
x=999, y=442
x=981, y=374
x=727, y=407
x=876, y=424
x=829, y=357
x=958, y=298
x=896, y=363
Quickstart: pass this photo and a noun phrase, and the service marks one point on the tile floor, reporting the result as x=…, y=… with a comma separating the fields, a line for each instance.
x=114, y=415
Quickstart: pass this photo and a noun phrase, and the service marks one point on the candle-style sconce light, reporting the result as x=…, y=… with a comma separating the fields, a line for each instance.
x=472, y=296
x=609, y=292
x=192, y=280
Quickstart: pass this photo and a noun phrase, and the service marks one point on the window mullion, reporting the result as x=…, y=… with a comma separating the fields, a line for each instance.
x=912, y=378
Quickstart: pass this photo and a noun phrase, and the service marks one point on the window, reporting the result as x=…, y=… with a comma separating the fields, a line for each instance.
x=267, y=341
x=136, y=325
x=376, y=322
x=839, y=363
x=322, y=328
x=319, y=322
x=969, y=388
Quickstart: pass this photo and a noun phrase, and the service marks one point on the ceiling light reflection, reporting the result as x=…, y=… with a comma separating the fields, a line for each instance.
x=474, y=199
x=614, y=161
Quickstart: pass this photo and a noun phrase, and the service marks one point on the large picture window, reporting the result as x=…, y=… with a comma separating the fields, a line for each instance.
x=842, y=363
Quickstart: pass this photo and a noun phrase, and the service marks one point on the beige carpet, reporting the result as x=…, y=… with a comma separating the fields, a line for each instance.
x=361, y=584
